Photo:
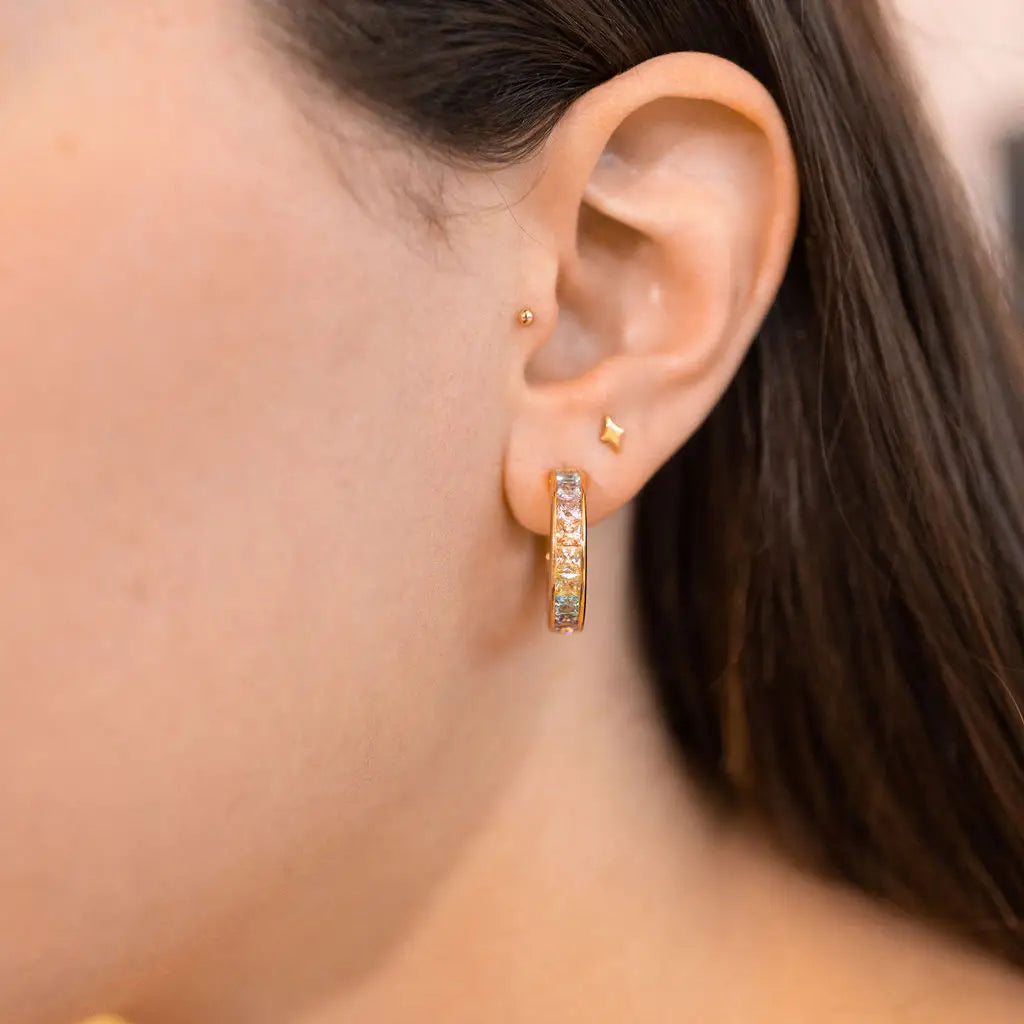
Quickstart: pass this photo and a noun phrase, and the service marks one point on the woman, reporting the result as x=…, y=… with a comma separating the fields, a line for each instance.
x=322, y=322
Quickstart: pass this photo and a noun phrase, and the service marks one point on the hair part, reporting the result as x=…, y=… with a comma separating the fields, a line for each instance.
x=837, y=631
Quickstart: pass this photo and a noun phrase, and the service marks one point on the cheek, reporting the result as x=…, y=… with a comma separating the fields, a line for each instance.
x=236, y=463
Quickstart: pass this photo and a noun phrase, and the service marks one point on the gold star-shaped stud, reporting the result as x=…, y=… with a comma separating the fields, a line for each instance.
x=612, y=434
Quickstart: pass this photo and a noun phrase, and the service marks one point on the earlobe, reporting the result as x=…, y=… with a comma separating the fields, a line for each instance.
x=668, y=203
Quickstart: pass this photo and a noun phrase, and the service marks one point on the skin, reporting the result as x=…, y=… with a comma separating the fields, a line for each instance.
x=283, y=735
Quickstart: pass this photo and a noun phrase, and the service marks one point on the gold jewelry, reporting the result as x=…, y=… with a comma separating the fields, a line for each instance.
x=526, y=317
x=612, y=434
x=568, y=554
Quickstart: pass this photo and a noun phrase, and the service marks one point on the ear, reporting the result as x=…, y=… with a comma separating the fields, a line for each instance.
x=665, y=212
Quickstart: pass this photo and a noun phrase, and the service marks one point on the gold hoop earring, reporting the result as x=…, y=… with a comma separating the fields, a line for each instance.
x=568, y=554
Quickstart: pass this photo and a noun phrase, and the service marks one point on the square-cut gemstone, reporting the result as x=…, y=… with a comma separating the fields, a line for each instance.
x=567, y=609
x=571, y=533
x=568, y=485
x=567, y=586
x=570, y=522
x=569, y=561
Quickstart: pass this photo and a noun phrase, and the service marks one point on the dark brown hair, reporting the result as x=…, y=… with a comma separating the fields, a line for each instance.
x=837, y=635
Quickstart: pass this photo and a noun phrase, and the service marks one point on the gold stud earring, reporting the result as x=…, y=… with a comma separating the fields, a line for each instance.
x=568, y=554
x=526, y=317
x=612, y=434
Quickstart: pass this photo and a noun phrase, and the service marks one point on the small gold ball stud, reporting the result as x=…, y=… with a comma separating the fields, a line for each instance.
x=612, y=434
x=526, y=317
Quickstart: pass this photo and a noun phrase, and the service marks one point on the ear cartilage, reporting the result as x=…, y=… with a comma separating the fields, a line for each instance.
x=612, y=434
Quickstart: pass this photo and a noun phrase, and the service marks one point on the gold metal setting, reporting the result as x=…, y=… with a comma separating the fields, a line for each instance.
x=568, y=555
x=612, y=434
x=526, y=317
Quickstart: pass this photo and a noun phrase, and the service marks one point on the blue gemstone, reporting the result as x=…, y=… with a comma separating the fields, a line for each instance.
x=569, y=484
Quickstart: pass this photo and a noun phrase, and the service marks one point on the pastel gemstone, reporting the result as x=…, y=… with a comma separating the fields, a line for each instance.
x=566, y=586
x=569, y=561
x=567, y=609
x=568, y=485
x=573, y=534
x=570, y=522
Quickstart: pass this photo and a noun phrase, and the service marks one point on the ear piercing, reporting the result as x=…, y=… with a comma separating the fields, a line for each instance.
x=612, y=434
x=567, y=551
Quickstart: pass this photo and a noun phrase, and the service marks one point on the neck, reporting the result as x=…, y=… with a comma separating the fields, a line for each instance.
x=589, y=881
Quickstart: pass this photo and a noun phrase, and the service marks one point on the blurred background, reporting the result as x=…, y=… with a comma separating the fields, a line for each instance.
x=970, y=57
